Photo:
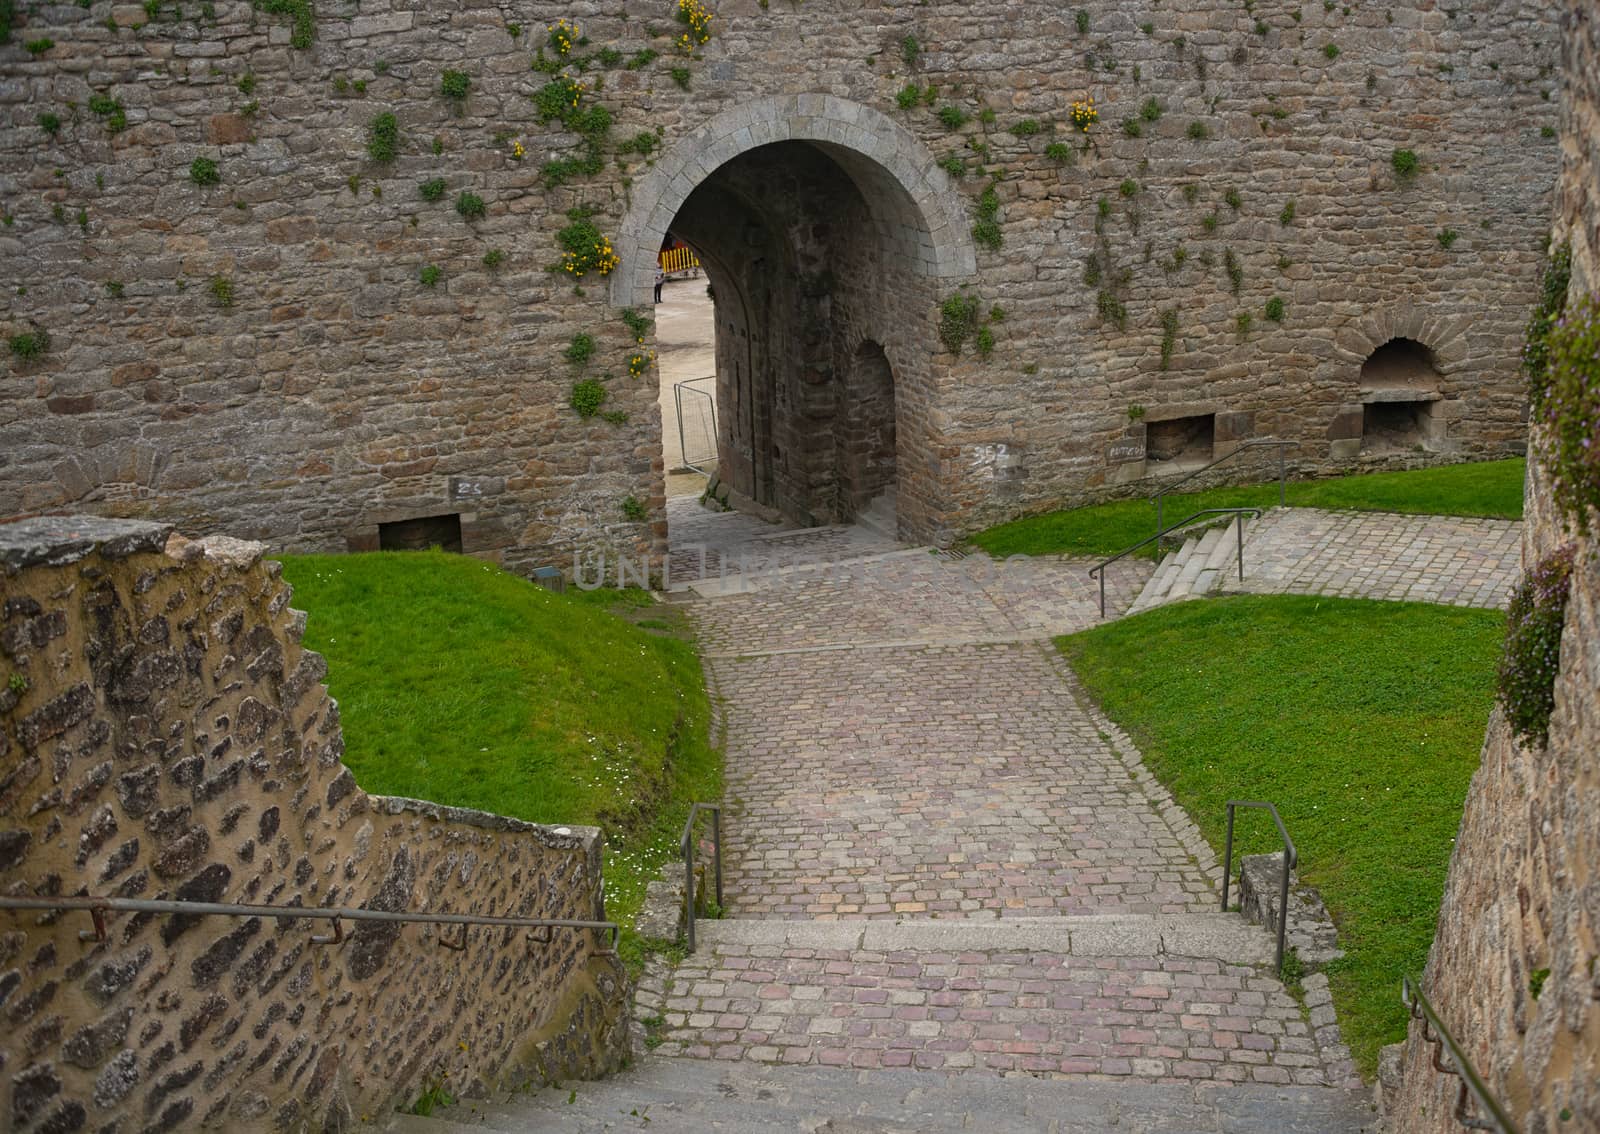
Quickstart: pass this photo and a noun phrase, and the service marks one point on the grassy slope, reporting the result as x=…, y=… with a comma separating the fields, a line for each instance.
x=1361, y=720
x=1490, y=488
x=460, y=683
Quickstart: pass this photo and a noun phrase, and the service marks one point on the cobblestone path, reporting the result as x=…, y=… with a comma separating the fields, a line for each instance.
x=1457, y=561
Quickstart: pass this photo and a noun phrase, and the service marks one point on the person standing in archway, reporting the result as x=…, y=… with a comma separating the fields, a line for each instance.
x=661, y=278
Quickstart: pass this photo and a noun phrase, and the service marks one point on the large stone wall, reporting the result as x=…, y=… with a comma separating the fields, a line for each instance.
x=164, y=735
x=1523, y=895
x=337, y=392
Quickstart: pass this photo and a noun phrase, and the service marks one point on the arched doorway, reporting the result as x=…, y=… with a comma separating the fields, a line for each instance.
x=1399, y=392
x=827, y=234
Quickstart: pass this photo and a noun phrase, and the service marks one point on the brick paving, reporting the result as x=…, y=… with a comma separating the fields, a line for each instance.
x=944, y=780
x=1457, y=561
x=1047, y=1014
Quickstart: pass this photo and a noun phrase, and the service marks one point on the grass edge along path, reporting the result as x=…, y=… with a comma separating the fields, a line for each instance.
x=461, y=683
x=1363, y=721
x=1484, y=488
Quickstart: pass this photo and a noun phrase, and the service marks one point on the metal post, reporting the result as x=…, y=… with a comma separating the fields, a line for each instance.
x=716, y=833
x=1160, y=500
x=688, y=888
x=1283, y=908
x=1227, y=860
x=1102, y=592
x=1281, y=475
x=1238, y=528
x=683, y=448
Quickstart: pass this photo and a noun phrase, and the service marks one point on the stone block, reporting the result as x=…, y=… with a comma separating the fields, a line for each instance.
x=1347, y=423
x=1344, y=450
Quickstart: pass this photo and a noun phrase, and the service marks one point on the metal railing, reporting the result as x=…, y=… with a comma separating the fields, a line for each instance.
x=1290, y=858
x=1472, y=1084
x=686, y=845
x=1238, y=514
x=1160, y=495
x=99, y=907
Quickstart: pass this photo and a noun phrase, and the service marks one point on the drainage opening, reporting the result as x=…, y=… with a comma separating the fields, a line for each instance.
x=443, y=532
x=1181, y=440
x=1389, y=427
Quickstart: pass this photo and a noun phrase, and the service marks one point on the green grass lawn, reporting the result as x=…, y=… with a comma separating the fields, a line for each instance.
x=1361, y=720
x=460, y=683
x=1488, y=488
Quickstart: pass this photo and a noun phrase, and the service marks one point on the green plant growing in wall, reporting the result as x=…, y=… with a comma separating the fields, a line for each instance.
x=1128, y=188
x=1286, y=216
x=1132, y=127
x=455, y=86
x=680, y=75
x=493, y=258
x=1169, y=336
x=1026, y=127
x=470, y=206
x=430, y=275
x=1232, y=199
x=1082, y=21
x=383, y=138
x=110, y=109
x=1554, y=282
x=633, y=510
x=50, y=123
x=222, y=291
x=1060, y=153
x=1572, y=411
x=958, y=321
x=1404, y=163
x=910, y=50
x=953, y=117
x=1275, y=309
x=987, y=229
x=1242, y=322
x=584, y=248
x=909, y=97
x=638, y=323
x=1331, y=51
x=1112, y=310
x=1151, y=110
x=302, y=19
x=580, y=349
x=587, y=397
x=954, y=164
x=1235, y=270
x=29, y=345
x=433, y=189
x=203, y=171
x=642, y=143
x=1447, y=237
x=1530, y=659
x=1198, y=131
x=983, y=342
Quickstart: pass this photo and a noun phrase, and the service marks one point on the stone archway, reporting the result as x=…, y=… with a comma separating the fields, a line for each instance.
x=822, y=226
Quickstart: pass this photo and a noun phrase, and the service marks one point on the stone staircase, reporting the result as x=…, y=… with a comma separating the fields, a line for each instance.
x=1204, y=563
x=1158, y=1022
x=880, y=516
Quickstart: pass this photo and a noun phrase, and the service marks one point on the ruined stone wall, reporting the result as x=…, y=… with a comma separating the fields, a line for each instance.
x=259, y=356
x=1523, y=894
x=164, y=735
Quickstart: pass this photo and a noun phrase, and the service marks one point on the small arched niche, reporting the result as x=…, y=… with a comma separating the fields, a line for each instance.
x=1399, y=391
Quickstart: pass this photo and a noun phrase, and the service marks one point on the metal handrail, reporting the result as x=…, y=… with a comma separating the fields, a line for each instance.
x=1471, y=1083
x=686, y=845
x=1290, y=858
x=99, y=907
x=1159, y=496
x=1099, y=569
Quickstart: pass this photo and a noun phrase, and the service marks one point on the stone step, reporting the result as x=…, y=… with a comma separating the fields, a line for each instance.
x=683, y=1095
x=1219, y=936
x=1159, y=589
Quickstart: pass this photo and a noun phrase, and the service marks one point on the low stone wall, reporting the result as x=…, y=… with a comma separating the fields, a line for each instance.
x=164, y=735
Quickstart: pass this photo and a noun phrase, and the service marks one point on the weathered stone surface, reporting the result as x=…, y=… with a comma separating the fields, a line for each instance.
x=336, y=393
x=179, y=1017
x=1521, y=909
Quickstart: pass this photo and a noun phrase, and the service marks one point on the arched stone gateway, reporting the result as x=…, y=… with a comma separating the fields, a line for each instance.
x=827, y=232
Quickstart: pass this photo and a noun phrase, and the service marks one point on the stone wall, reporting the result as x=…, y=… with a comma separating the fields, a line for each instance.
x=164, y=735
x=1523, y=894
x=259, y=355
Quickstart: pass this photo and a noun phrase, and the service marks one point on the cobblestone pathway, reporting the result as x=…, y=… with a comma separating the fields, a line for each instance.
x=1458, y=561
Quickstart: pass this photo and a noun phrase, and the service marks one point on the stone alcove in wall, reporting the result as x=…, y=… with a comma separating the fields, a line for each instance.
x=827, y=233
x=1399, y=390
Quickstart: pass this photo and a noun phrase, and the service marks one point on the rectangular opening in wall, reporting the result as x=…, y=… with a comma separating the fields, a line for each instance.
x=1180, y=442
x=1396, y=427
x=443, y=532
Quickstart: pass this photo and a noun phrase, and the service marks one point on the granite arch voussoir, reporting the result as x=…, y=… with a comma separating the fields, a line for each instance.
x=903, y=164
